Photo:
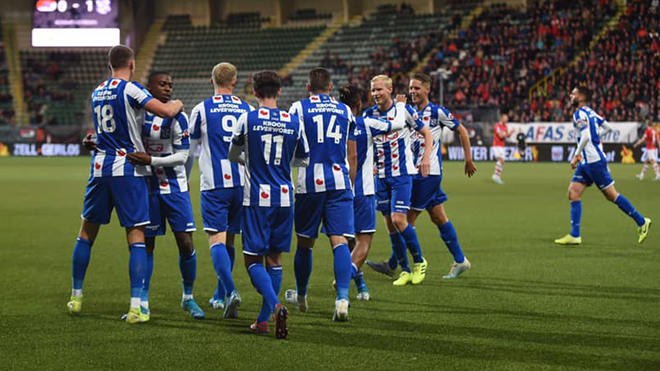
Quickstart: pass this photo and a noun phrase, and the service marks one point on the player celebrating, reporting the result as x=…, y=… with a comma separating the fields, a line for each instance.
x=501, y=133
x=651, y=151
x=361, y=160
x=427, y=192
x=396, y=167
x=270, y=138
x=114, y=182
x=323, y=192
x=167, y=145
x=591, y=167
x=221, y=181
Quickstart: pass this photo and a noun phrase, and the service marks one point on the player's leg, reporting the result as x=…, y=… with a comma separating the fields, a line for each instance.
x=82, y=251
x=622, y=202
x=450, y=238
x=97, y=208
x=215, y=215
x=308, y=211
x=401, y=192
x=499, y=165
x=358, y=256
x=575, y=190
x=155, y=228
x=653, y=158
x=645, y=167
x=137, y=267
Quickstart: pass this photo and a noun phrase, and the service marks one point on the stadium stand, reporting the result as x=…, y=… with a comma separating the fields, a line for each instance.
x=390, y=41
x=617, y=69
x=6, y=99
x=57, y=84
x=506, y=50
x=248, y=46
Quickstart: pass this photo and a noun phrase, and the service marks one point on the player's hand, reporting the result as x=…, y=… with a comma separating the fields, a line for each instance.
x=425, y=166
x=89, y=143
x=139, y=158
x=574, y=161
x=179, y=103
x=470, y=169
x=400, y=98
x=375, y=170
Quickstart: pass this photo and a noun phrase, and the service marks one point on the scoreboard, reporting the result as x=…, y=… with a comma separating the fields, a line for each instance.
x=75, y=23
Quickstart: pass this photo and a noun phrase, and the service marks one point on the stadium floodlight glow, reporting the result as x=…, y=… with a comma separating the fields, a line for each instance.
x=75, y=37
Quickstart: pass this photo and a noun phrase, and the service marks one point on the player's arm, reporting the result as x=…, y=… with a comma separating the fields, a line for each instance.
x=195, y=136
x=448, y=120
x=415, y=122
x=301, y=155
x=180, y=144
x=139, y=97
x=640, y=141
x=605, y=128
x=585, y=137
x=238, y=140
x=352, y=160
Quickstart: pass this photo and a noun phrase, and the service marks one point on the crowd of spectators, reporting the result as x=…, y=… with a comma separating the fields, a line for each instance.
x=7, y=112
x=44, y=82
x=507, y=50
x=622, y=70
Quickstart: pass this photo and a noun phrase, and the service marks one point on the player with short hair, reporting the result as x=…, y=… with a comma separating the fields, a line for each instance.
x=651, y=138
x=396, y=168
x=590, y=167
x=167, y=146
x=498, y=148
x=272, y=141
x=361, y=160
x=118, y=106
x=427, y=192
x=323, y=192
x=212, y=122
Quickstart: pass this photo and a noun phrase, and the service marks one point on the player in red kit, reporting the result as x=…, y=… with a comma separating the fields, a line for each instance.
x=500, y=135
x=651, y=138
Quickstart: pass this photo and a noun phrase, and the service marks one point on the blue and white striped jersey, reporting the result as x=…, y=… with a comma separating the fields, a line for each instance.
x=118, y=109
x=212, y=122
x=161, y=138
x=394, y=150
x=363, y=135
x=436, y=118
x=270, y=139
x=588, y=123
x=327, y=124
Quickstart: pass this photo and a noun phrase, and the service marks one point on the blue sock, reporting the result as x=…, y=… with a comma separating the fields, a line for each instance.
x=137, y=268
x=576, y=216
x=147, y=277
x=222, y=267
x=354, y=270
x=188, y=268
x=392, y=261
x=262, y=282
x=232, y=256
x=342, y=270
x=219, y=291
x=302, y=267
x=275, y=273
x=359, y=280
x=448, y=234
x=82, y=252
x=410, y=236
x=399, y=248
x=628, y=208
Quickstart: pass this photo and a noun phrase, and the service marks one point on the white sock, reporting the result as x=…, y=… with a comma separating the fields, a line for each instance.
x=76, y=292
x=186, y=297
x=135, y=303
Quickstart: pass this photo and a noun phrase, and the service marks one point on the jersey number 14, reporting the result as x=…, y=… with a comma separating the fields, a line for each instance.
x=333, y=130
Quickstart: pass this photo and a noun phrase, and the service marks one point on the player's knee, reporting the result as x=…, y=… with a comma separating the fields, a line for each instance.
x=573, y=195
x=400, y=221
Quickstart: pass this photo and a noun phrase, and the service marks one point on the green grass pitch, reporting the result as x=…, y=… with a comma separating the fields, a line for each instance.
x=526, y=304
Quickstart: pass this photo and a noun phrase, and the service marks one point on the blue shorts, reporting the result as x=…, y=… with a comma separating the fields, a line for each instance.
x=267, y=229
x=364, y=211
x=427, y=192
x=173, y=207
x=393, y=194
x=222, y=209
x=130, y=195
x=595, y=172
x=333, y=208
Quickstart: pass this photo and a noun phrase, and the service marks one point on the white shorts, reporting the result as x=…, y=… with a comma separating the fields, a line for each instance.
x=498, y=152
x=651, y=154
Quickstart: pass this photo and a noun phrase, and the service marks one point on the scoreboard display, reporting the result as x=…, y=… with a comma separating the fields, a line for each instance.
x=75, y=23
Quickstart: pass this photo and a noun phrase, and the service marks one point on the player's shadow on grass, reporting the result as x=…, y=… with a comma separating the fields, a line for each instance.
x=467, y=342
x=513, y=286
